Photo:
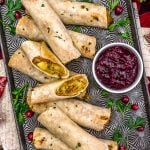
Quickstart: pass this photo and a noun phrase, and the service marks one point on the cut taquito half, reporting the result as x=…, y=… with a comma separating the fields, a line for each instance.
x=62, y=89
x=84, y=43
x=53, y=29
x=44, y=140
x=20, y=62
x=91, y=116
x=44, y=60
x=82, y=13
x=60, y=125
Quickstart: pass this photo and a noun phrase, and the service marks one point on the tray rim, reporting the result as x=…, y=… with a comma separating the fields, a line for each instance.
x=11, y=85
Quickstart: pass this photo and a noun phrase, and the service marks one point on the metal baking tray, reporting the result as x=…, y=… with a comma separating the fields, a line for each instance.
x=137, y=141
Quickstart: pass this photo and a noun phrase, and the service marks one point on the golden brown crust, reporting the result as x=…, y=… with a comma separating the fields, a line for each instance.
x=39, y=50
x=109, y=18
x=46, y=53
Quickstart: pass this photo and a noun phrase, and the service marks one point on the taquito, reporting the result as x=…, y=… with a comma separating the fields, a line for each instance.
x=82, y=13
x=53, y=29
x=62, y=89
x=20, y=62
x=60, y=125
x=44, y=60
x=42, y=139
x=91, y=116
x=84, y=43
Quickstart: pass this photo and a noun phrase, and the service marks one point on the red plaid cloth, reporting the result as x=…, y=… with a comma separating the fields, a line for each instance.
x=0, y=55
x=144, y=10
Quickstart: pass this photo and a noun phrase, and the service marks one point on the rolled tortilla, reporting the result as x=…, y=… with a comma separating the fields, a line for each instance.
x=53, y=29
x=42, y=139
x=62, y=89
x=82, y=13
x=20, y=62
x=84, y=43
x=60, y=125
x=91, y=116
x=44, y=60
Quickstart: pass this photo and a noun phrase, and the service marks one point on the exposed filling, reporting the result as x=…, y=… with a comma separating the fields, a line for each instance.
x=48, y=66
x=72, y=87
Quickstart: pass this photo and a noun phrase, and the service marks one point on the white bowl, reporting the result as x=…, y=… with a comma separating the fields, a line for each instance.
x=140, y=68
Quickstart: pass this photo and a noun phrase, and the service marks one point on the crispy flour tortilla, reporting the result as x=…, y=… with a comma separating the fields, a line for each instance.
x=91, y=116
x=19, y=61
x=62, y=89
x=60, y=125
x=84, y=43
x=44, y=60
x=53, y=29
x=82, y=13
x=42, y=139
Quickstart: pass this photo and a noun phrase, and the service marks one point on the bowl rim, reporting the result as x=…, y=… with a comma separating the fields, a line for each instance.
x=140, y=71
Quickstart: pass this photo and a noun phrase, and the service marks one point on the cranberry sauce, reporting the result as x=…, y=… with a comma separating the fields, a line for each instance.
x=117, y=67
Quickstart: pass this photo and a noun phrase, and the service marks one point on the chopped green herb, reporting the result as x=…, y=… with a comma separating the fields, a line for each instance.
x=42, y=5
x=88, y=1
x=48, y=29
x=19, y=102
x=77, y=29
x=59, y=37
x=78, y=145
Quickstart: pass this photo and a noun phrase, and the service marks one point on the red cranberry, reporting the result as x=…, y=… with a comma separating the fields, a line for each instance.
x=30, y=136
x=18, y=14
x=135, y=107
x=29, y=114
x=2, y=2
x=118, y=10
x=140, y=129
x=122, y=148
x=125, y=99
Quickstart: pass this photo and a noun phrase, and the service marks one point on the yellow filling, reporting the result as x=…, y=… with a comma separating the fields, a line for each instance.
x=49, y=67
x=72, y=87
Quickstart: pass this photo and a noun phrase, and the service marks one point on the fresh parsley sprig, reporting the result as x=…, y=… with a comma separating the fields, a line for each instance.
x=12, y=7
x=104, y=93
x=123, y=23
x=119, y=23
x=135, y=123
x=132, y=124
x=19, y=104
x=119, y=106
x=126, y=35
x=113, y=4
x=117, y=136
